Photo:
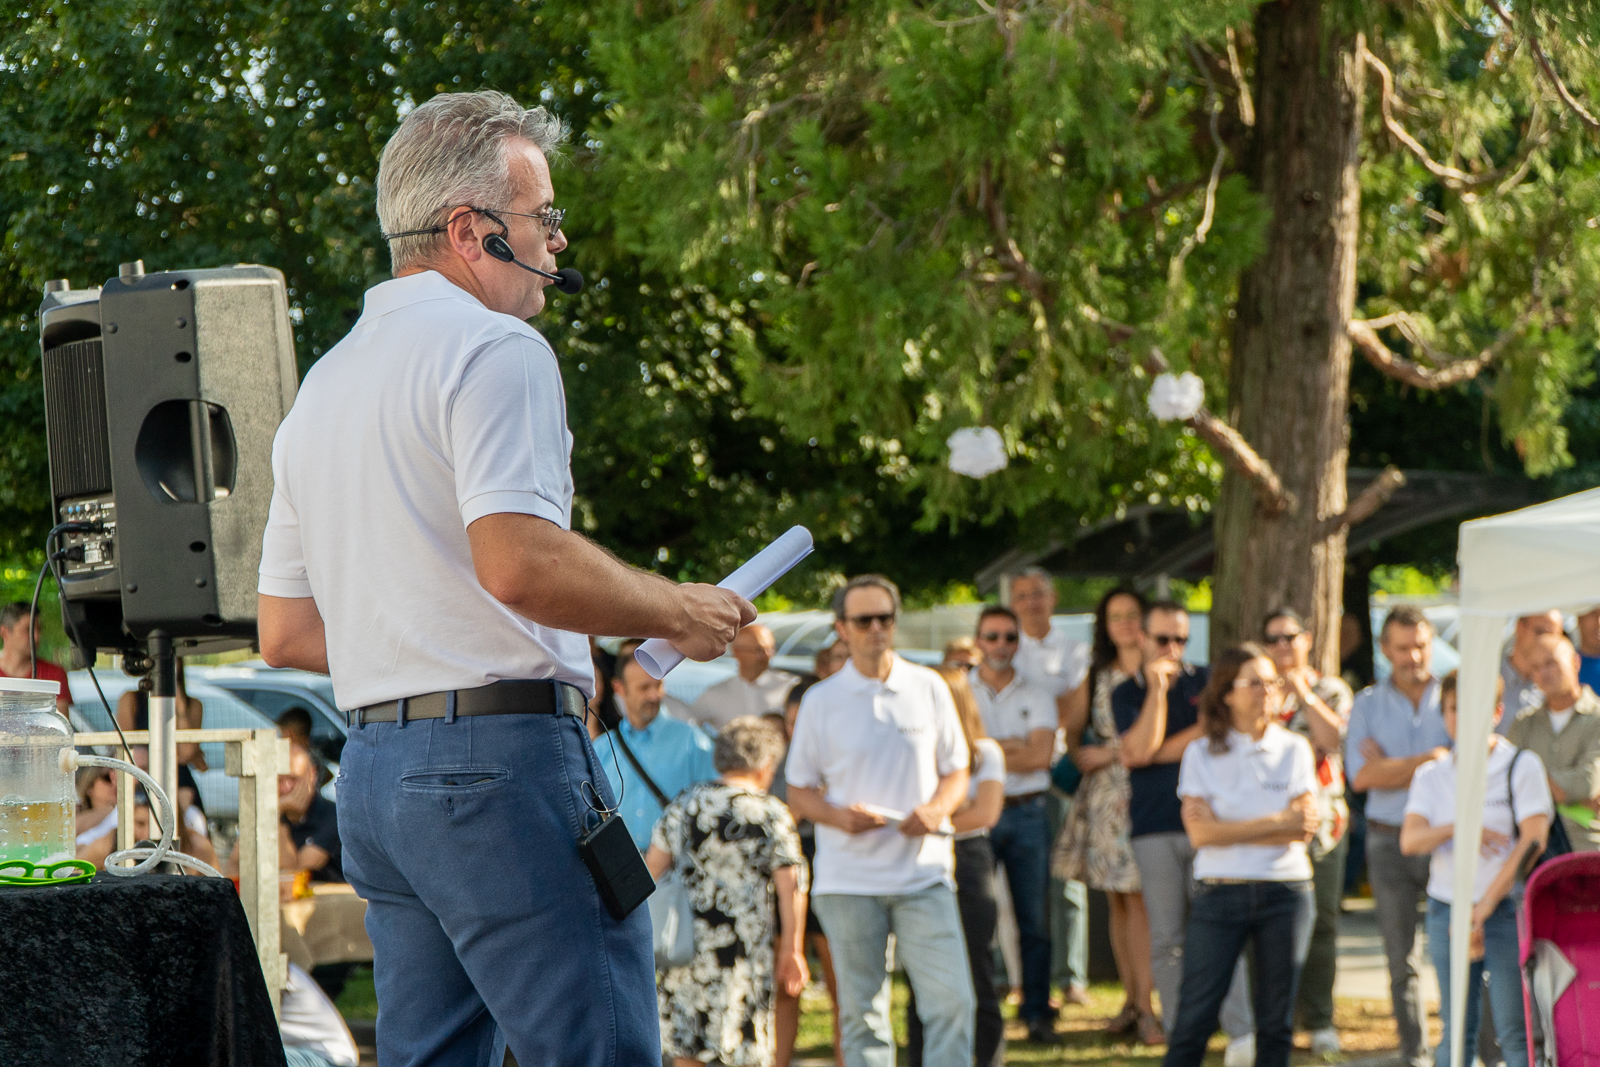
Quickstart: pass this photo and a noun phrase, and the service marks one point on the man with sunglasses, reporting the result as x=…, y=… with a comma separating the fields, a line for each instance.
x=878, y=761
x=1158, y=714
x=419, y=548
x=1022, y=718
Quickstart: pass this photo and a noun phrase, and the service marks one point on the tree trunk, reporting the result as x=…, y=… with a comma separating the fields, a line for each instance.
x=1290, y=373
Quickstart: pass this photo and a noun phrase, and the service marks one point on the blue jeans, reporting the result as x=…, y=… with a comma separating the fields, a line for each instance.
x=928, y=944
x=1500, y=958
x=1276, y=918
x=1021, y=843
x=486, y=927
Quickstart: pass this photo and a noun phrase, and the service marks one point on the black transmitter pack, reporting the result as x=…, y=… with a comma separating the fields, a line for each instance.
x=619, y=872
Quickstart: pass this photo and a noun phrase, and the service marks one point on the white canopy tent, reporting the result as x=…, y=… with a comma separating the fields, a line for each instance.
x=1520, y=563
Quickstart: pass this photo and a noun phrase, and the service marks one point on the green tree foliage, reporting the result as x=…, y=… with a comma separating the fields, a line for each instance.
x=819, y=237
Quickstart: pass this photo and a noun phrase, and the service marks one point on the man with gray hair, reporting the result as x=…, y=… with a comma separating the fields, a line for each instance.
x=423, y=473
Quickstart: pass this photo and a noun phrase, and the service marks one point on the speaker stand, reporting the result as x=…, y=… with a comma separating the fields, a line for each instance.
x=163, y=721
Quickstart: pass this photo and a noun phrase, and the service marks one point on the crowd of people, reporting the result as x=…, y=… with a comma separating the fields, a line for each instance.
x=811, y=817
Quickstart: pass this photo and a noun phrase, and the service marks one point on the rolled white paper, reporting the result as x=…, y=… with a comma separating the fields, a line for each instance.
x=657, y=656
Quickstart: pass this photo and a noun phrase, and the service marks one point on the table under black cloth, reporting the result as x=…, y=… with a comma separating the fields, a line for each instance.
x=155, y=970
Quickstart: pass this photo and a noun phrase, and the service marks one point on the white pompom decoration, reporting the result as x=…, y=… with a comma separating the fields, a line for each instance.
x=977, y=452
x=1176, y=396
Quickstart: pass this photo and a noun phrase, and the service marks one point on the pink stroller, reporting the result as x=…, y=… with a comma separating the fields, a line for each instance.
x=1559, y=932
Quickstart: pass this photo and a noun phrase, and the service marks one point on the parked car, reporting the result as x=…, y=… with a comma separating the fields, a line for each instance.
x=219, y=794
x=274, y=690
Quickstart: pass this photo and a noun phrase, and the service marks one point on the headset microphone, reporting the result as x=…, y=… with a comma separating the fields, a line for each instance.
x=567, y=280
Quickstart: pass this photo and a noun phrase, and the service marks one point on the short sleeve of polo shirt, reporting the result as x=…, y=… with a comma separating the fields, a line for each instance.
x=1424, y=798
x=1303, y=774
x=507, y=427
x=950, y=744
x=283, y=557
x=803, y=766
x=1358, y=731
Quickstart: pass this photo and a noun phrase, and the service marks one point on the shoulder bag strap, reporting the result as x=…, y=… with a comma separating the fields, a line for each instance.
x=1511, y=795
x=661, y=798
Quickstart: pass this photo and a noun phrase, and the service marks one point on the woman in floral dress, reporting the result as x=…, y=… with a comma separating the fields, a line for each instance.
x=736, y=849
x=1093, y=846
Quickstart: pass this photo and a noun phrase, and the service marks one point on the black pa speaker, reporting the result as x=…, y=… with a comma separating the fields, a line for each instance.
x=162, y=394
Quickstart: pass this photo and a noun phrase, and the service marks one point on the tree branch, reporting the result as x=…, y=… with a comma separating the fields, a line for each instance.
x=1175, y=271
x=1235, y=451
x=1364, y=334
x=1247, y=107
x=1373, y=497
x=1549, y=71
x=1009, y=253
x=1451, y=176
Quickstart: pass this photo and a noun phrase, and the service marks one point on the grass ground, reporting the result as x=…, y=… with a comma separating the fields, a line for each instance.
x=1365, y=1027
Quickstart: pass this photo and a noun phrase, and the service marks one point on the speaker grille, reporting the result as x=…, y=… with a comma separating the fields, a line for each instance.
x=75, y=419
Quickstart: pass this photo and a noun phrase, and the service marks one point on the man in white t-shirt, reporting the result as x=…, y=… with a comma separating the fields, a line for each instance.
x=756, y=690
x=1058, y=664
x=1022, y=717
x=878, y=761
x=419, y=549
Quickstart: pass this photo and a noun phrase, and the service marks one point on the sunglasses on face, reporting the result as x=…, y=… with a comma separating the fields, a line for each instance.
x=1008, y=636
x=1168, y=640
x=1282, y=639
x=864, y=622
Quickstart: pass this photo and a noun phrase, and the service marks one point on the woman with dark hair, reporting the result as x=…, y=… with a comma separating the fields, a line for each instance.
x=1249, y=806
x=1093, y=846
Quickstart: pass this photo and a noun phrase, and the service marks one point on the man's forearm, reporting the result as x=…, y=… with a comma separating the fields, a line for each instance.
x=1143, y=738
x=951, y=792
x=1388, y=773
x=291, y=633
x=563, y=580
x=1171, y=750
x=1573, y=784
x=807, y=803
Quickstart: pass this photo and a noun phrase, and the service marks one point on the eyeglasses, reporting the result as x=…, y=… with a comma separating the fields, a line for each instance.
x=1164, y=640
x=864, y=622
x=1008, y=636
x=551, y=217
x=1270, y=685
x=1281, y=639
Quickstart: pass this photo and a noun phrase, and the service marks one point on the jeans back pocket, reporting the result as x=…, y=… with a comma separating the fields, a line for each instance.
x=455, y=780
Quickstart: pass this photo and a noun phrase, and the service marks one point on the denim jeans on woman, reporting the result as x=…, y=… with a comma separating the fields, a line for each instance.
x=928, y=944
x=1500, y=959
x=1275, y=919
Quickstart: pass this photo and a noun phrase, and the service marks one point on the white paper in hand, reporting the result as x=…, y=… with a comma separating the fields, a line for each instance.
x=755, y=577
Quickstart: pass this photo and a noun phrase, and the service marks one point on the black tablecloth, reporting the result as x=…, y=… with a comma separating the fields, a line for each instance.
x=156, y=970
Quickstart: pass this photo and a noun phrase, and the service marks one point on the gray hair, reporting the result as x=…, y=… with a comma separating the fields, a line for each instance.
x=745, y=745
x=865, y=581
x=452, y=151
x=1035, y=572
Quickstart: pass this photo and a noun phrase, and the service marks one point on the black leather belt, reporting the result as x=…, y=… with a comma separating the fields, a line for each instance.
x=498, y=698
x=1023, y=798
x=1383, y=827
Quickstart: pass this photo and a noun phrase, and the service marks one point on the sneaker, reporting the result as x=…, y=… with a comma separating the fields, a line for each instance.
x=1324, y=1042
x=1241, y=1052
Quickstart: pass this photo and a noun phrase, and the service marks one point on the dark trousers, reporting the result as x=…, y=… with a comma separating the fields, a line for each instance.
x=975, y=900
x=1021, y=843
x=1275, y=918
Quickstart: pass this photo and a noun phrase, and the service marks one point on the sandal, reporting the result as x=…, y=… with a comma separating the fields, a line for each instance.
x=1124, y=1021
x=1150, y=1031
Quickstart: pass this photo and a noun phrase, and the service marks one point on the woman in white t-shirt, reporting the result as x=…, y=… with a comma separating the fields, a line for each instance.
x=1516, y=783
x=986, y=796
x=1249, y=806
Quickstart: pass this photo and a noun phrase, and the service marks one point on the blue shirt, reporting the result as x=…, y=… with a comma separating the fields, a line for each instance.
x=674, y=753
x=1588, y=673
x=1153, y=804
x=1386, y=715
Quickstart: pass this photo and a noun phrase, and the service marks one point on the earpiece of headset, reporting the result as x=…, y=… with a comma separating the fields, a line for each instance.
x=496, y=246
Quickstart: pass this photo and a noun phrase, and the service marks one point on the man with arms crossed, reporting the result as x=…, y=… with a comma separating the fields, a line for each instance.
x=1564, y=731
x=878, y=761
x=423, y=474
x=1158, y=715
x=1396, y=727
x=1022, y=719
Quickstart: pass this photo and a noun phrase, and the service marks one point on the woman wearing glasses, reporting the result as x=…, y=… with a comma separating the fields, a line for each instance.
x=1094, y=846
x=1248, y=788
x=1317, y=707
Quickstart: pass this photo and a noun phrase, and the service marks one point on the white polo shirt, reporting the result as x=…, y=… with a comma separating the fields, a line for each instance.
x=432, y=412
x=1433, y=796
x=1011, y=715
x=732, y=697
x=1055, y=663
x=1252, y=780
x=884, y=745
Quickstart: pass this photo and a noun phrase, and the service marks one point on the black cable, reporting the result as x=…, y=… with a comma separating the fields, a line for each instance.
x=77, y=638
